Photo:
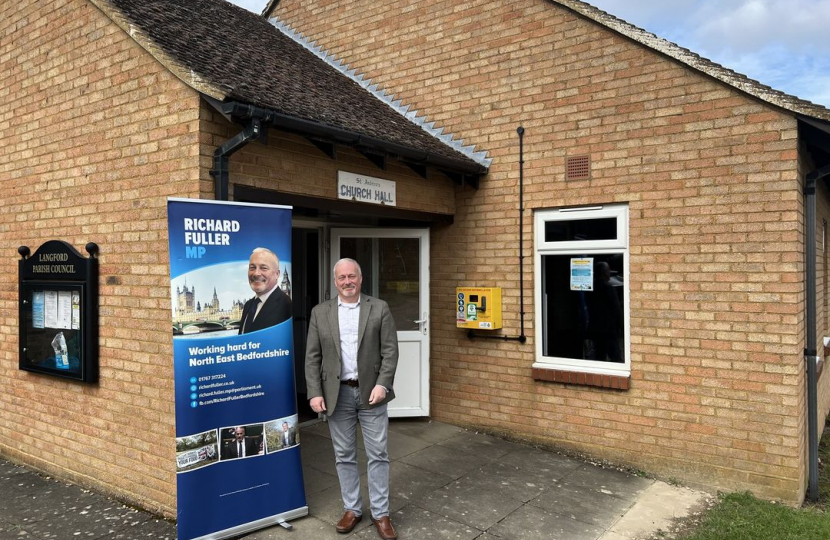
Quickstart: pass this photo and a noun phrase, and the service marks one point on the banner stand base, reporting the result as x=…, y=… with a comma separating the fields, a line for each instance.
x=279, y=519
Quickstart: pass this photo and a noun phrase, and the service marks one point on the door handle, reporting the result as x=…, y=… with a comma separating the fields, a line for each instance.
x=423, y=322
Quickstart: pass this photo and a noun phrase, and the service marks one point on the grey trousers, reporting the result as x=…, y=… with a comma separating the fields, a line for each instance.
x=343, y=428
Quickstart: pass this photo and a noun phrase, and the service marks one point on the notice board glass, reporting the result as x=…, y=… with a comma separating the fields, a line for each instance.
x=52, y=319
x=58, y=311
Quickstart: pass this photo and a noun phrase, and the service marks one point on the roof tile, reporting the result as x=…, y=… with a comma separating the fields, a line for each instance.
x=232, y=54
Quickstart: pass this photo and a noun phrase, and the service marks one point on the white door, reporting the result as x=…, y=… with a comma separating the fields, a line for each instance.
x=395, y=264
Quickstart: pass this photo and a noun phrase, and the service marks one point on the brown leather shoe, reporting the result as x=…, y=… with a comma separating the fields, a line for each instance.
x=347, y=522
x=385, y=528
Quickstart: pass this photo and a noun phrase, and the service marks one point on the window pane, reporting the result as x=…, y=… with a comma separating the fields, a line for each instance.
x=583, y=324
x=581, y=229
x=390, y=272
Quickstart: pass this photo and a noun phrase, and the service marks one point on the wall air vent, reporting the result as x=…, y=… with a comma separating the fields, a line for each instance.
x=578, y=168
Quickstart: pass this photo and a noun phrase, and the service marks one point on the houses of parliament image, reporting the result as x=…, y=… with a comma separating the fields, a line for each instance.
x=192, y=316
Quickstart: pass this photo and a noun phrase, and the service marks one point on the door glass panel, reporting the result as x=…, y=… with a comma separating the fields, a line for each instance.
x=390, y=269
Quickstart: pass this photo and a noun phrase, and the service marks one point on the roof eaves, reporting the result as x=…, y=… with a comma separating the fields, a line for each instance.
x=448, y=139
x=183, y=72
x=695, y=61
x=309, y=128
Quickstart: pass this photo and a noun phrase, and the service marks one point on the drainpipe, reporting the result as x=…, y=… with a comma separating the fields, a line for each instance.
x=810, y=346
x=221, y=157
x=521, y=338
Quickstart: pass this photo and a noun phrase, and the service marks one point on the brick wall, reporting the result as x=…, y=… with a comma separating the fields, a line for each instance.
x=291, y=164
x=100, y=134
x=716, y=232
x=96, y=135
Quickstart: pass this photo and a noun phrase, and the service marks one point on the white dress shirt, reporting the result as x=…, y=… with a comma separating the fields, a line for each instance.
x=262, y=299
x=348, y=316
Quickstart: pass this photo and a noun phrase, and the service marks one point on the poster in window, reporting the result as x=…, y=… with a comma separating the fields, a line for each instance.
x=76, y=310
x=582, y=274
x=51, y=309
x=64, y=309
x=37, y=309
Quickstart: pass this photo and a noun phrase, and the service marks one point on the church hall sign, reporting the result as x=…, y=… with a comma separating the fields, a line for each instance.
x=367, y=189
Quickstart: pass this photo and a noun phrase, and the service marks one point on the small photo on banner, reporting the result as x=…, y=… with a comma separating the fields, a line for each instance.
x=281, y=434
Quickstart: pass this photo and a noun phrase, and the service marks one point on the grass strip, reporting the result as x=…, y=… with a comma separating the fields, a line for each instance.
x=740, y=516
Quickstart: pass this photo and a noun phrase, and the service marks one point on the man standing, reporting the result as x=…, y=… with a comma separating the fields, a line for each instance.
x=241, y=446
x=270, y=306
x=351, y=357
x=287, y=437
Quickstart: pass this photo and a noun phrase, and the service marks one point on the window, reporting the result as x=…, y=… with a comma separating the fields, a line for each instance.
x=582, y=289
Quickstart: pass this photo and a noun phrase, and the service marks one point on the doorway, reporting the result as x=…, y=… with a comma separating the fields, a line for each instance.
x=395, y=266
x=305, y=260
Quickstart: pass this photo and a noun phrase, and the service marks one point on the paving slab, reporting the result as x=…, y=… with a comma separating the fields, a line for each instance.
x=320, y=429
x=470, y=505
x=479, y=444
x=325, y=462
x=154, y=529
x=445, y=483
x=316, y=480
x=9, y=470
x=446, y=461
x=327, y=505
x=312, y=445
x=608, y=481
x=96, y=517
x=432, y=432
x=581, y=504
x=408, y=484
x=401, y=445
x=531, y=523
x=306, y=528
x=657, y=508
x=550, y=466
x=413, y=523
x=27, y=489
x=507, y=480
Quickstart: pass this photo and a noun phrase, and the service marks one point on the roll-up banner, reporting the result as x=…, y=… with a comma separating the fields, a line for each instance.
x=237, y=443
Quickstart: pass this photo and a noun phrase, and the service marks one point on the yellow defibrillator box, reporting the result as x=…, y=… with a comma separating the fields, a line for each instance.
x=478, y=307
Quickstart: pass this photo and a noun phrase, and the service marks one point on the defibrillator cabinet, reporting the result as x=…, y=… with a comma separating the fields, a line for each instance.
x=478, y=308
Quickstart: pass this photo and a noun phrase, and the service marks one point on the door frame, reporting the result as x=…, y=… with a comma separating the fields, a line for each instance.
x=406, y=336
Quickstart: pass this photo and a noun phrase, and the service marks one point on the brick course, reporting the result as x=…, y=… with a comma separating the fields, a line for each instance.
x=713, y=183
x=97, y=134
x=100, y=135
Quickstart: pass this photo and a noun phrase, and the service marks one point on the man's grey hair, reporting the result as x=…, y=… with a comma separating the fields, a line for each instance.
x=343, y=260
x=267, y=251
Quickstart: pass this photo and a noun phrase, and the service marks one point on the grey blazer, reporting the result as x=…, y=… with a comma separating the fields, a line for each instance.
x=377, y=351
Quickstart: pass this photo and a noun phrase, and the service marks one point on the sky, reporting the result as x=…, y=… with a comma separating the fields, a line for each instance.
x=780, y=43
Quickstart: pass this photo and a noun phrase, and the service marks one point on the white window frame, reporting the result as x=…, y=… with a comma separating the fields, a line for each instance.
x=578, y=248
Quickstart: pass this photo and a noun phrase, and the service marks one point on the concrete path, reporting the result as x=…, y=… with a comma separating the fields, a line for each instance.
x=446, y=483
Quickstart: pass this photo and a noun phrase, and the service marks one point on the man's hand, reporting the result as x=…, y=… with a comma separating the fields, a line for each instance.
x=318, y=404
x=378, y=394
